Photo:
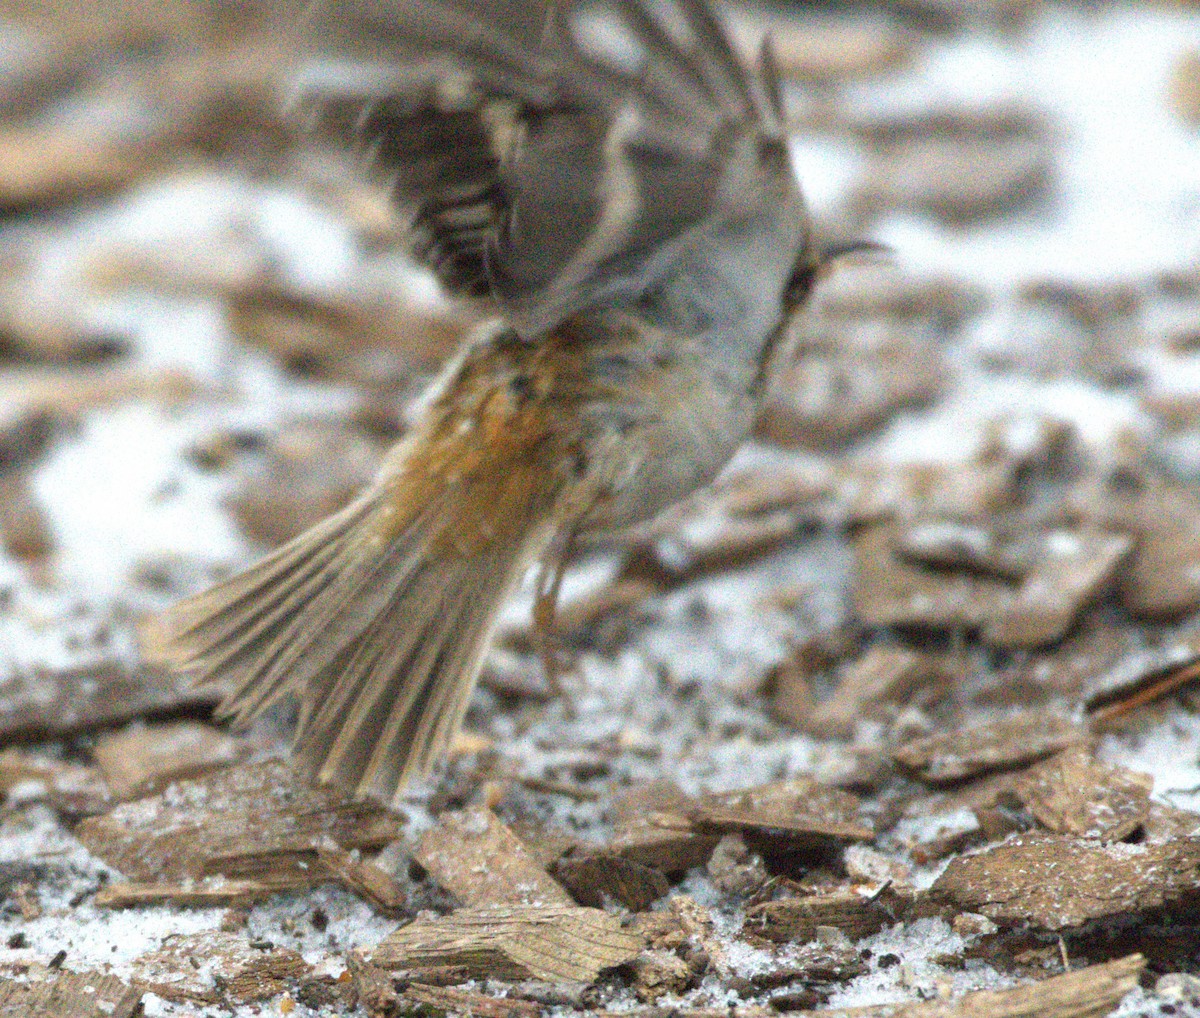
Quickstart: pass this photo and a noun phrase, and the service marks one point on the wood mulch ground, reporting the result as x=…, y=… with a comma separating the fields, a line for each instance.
x=901, y=717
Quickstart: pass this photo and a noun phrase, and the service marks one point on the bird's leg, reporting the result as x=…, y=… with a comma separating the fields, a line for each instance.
x=545, y=608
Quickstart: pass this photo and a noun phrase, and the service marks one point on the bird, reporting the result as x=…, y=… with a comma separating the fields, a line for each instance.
x=614, y=189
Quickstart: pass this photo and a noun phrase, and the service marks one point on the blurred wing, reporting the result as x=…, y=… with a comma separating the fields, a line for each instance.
x=545, y=175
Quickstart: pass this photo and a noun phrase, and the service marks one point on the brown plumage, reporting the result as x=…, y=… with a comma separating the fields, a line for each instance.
x=637, y=229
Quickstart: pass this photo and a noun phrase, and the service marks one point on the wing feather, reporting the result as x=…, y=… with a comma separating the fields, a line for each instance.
x=539, y=171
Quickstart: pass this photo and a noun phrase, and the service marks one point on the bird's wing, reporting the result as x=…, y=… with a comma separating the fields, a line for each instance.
x=543, y=167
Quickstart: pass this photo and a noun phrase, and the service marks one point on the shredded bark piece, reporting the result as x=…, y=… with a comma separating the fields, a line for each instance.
x=801, y=810
x=1071, y=571
x=890, y=591
x=475, y=857
x=447, y=1000
x=999, y=745
x=1057, y=883
x=882, y=676
x=1074, y=794
x=217, y=965
x=514, y=942
x=592, y=877
x=57, y=993
x=796, y=919
x=652, y=828
x=144, y=759
x=258, y=820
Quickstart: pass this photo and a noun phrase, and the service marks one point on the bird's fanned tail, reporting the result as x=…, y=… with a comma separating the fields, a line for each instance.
x=377, y=619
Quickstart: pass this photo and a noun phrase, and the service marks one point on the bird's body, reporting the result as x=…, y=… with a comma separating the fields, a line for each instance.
x=644, y=244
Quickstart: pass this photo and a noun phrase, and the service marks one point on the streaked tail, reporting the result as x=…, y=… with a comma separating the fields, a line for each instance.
x=378, y=618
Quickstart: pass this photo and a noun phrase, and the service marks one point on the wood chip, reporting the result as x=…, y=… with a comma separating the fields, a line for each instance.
x=1091, y=992
x=788, y=920
x=45, y=165
x=1161, y=577
x=216, y=965
x=789, y=485
x=1138, y=678
x=951, y=544
x=475, y=857
x=1072, y=570
x=594, y=878
x=883, y=290
x=145, y=758
x=57, y=993
x=41, y=703
x=1074, y=794
x=889, y=591
x=69, y=787
x=871, y=491
x=215, y=264
x=866, y=686
x=728, y=1011
x=551, y=942
x=999, y=745
x=1061, y=673
x=803, y=812
x=849, y=381
x=41, y=69
x=310, y=471
x=245, y=821
x=709, y=542
x=450, y=1001
x=651, y=827
x=204, y=892
x=25, y=434
x=363, y=878
x=197, y=104
x=37, y=333
x=1057, y=883
x=350, y=336
x=66, y=394
x=589, y=620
